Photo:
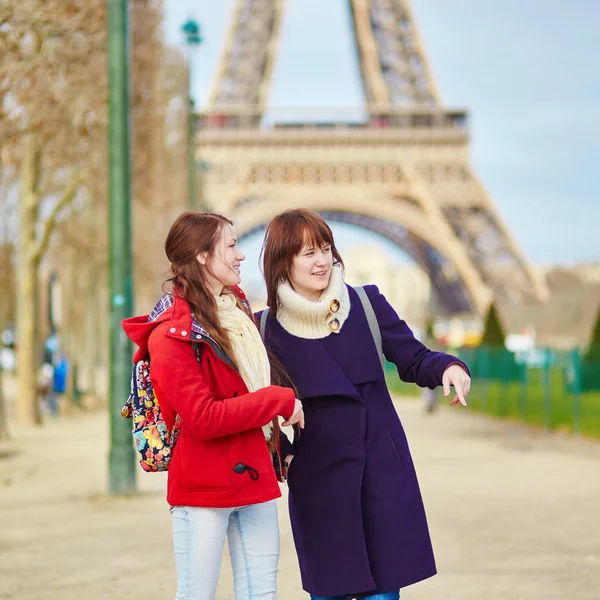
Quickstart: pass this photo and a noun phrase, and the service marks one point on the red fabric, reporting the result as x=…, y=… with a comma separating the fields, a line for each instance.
x=221, y=420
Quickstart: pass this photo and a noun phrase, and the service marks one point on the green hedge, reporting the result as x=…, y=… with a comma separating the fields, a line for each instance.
x=544, y=388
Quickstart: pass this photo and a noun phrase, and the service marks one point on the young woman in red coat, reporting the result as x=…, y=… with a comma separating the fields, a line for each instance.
x=208, y=366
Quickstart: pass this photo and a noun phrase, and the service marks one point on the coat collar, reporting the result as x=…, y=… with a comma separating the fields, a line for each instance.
x=337, y=365
x=182, y=324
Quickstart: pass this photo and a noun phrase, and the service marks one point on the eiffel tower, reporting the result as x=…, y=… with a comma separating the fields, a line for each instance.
x=402, y=172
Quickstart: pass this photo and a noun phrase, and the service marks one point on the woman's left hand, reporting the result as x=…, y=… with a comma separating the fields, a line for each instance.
x=455, y=375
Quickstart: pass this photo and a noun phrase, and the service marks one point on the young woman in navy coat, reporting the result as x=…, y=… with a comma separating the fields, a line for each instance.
x=357, y=516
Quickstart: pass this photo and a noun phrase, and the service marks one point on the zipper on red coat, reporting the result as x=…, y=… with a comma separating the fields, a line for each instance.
x=219, y=358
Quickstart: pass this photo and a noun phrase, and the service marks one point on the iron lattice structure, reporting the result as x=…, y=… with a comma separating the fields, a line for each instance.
x=403, y=171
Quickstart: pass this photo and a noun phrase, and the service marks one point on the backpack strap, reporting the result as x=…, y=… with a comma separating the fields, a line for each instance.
x=263, y=322
x=373, y=324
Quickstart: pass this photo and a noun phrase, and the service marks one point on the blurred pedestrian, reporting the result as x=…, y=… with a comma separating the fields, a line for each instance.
x=430, y=400
x=47, y=397
x=61, y=374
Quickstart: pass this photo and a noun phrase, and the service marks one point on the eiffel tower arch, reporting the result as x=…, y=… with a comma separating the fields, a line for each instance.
x=403, y=171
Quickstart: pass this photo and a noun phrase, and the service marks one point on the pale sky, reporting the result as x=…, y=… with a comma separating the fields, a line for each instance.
x=529, y=72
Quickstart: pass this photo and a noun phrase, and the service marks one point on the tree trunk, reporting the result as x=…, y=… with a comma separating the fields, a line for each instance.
x=5, y=311
x=28, y=412
x=91, y=313
x=90, y=318
x=4, y=432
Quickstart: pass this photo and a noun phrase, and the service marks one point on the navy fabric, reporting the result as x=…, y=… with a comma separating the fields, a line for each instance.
x=356, y=511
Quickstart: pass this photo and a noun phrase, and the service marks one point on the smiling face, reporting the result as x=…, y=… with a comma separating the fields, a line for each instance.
x=311, y=270
x=224, y=264
x=298, y=249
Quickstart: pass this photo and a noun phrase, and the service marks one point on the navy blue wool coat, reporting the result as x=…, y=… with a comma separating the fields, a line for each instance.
x=357, y=515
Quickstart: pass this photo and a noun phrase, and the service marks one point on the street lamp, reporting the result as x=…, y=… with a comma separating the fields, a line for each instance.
x=122, y=463
x=192, y=39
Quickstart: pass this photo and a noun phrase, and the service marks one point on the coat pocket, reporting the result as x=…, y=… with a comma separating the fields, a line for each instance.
x=396, y=449
x=203, y=464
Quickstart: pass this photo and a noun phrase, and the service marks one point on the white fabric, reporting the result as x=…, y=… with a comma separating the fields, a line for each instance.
x=309, y=319
x=248, y=349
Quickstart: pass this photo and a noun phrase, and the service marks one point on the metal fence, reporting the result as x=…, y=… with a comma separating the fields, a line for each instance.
x=550, y=389
x=556, y=390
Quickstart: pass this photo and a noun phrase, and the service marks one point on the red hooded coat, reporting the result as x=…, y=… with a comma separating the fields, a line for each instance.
x=221, y=458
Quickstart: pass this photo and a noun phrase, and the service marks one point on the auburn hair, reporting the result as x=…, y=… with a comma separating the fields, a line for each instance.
x=286, y=235
x=193, y=233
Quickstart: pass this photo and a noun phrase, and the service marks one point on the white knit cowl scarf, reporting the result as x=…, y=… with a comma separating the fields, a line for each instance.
x=309, y=319
x=249, y=351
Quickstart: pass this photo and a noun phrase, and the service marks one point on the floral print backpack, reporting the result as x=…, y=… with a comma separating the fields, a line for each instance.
x=153, y=440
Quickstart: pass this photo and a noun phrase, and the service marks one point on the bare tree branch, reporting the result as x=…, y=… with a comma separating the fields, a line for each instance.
x=50, y=223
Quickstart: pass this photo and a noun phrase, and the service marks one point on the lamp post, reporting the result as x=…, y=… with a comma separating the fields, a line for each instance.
x=122, y=455
x=192, y=39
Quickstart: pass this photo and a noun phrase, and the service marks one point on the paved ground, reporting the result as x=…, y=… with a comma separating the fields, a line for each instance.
x=514, y=515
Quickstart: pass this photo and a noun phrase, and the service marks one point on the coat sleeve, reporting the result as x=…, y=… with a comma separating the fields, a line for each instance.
x=286, y=447
x=177, y=378
x=414, y=361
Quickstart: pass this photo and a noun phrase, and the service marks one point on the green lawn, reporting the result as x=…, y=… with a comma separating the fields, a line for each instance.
x=542, y=398
x=399, y=387
x=539, y=400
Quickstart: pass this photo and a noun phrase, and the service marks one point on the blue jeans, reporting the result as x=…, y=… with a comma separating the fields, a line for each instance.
x=252, y=534
x=386, y=596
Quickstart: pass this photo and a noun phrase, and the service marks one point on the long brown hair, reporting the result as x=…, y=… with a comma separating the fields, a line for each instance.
x=191, y=234
x=286, y=235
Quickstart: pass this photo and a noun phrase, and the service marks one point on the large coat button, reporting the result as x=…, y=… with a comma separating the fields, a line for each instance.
x=334, y=325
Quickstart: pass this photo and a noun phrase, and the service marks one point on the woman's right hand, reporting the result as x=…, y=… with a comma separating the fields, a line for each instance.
x=297, y=416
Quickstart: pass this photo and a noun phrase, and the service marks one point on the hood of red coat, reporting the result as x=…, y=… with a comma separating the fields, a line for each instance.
x=138, y=330
x=175, y=310
x=169, y=308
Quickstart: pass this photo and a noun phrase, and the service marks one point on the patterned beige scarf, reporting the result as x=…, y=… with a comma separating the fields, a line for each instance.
x=248, y=349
